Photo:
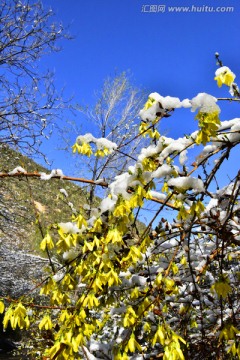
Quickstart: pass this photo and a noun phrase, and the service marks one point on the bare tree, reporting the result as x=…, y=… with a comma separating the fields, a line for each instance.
x=114, y=117
x=28, y=99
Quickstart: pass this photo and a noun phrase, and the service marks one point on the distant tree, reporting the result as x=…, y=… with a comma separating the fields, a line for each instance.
x=169, y=291
x=115, y=116
x=28, y=99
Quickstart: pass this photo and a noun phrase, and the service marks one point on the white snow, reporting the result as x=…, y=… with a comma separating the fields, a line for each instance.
x=89, y=355
x=118, y=310
x=64, y=192
x=18, y=170
x=69, y=227
x=138, y=280
x=234, y=137
x=183, y=157
x=70, y=254
x=178, y=145
x=157, y=195
x=156, y=96
x=100, y=143
x=45, y=176
x=96, y=346
x=185, y=183
x=70, y=204
x=228, y=123
x=205, y=103
x=169, y=244
x=54, y=172
x=58, y=276
x=167, y=102
x=87, y=138
x=120, y=185
x=222, y=70
x=150, y=151
x=150, y=114
x=107, y=204
x=57, y=172
x=228, y=190
x=171, y=102
x=162, y=171
x=99, y=181
x=186, y=103
x=206, y=151
x=200, y=265
x=212, y=203
x=160, y=105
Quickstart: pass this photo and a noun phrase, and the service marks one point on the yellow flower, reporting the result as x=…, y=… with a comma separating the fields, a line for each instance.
x=149, y=103
x=224, y=76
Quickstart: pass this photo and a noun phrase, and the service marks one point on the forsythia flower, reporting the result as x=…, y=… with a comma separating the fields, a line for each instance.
x=149, y=103
x=224, y=76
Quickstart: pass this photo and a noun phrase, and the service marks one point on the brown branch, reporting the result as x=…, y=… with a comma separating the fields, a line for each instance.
x=142, y=132
x=62, y=346
x=171, y=261
x=209, y=260
x=82, y=180
x=32, y=305
x=84, y=352
x=69, y=178
x=229, y=99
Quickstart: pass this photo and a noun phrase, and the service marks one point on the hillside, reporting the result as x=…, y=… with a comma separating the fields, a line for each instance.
x=25, y=201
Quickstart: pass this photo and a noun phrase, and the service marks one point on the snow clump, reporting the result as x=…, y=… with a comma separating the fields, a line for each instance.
x=17, y=170
x=186, y=183
x=69, y=228
x=64, y=192
x=101, y=143
x=54, y=173
x=205, y=102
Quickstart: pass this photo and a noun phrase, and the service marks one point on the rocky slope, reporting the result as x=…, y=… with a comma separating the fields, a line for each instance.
x=27, y=207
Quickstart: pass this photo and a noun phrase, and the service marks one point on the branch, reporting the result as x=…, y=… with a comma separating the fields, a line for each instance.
x=82, y=180
x=69, y=178
x=209, y=260
x=36, y=306
x=229, y=99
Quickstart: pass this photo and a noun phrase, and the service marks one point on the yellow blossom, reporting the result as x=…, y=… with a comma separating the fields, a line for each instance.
x=224, y=76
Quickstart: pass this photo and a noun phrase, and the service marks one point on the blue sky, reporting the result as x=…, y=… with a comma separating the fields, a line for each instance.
x=168, y=52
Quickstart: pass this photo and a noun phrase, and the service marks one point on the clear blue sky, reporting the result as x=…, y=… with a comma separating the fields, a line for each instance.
x=168, y=52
